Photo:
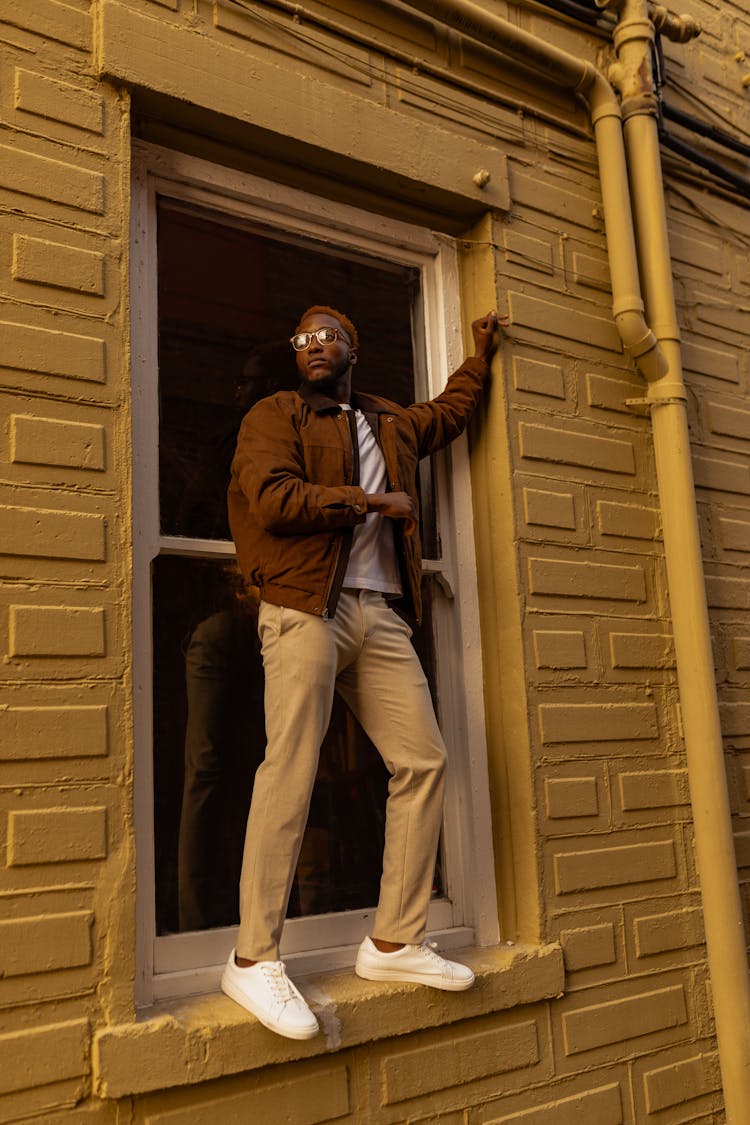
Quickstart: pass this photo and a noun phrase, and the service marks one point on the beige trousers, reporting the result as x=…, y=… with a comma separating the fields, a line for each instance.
x=365, y=654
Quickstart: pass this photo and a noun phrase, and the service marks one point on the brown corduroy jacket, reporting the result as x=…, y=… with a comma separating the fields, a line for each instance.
x=293, y=505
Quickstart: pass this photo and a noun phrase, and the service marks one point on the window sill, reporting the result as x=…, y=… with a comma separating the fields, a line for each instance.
x=203, y=1037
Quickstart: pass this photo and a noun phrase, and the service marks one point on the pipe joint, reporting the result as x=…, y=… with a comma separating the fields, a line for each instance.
x=639, y=340
x=640, y=105
x=680, y=29
x=633, y=31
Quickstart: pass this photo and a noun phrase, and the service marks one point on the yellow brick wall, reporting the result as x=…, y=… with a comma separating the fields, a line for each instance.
x=598, y=739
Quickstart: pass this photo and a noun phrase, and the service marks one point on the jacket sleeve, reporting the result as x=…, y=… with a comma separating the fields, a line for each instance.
x=438, y=422
x=269, y=468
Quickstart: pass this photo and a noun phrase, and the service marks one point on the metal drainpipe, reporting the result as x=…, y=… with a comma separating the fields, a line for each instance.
x=714, y=844
x=725, y=941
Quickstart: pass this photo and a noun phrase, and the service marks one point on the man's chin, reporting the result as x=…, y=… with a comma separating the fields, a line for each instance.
x=323, y=380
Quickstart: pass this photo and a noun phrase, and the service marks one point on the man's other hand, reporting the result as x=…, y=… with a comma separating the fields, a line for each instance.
x=483, y=331
x=395, y=506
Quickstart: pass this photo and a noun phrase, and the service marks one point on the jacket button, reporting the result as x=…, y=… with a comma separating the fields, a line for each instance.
x=357, y=508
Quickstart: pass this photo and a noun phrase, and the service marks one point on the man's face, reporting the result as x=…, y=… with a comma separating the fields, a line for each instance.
x=322, y=365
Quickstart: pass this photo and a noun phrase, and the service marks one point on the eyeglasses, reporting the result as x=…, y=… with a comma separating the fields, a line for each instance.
x=301, y=340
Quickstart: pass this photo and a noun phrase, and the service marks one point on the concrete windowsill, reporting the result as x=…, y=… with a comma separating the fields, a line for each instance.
x=181, y=1042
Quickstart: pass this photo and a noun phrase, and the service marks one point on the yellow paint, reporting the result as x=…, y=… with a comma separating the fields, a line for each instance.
x=592, y=836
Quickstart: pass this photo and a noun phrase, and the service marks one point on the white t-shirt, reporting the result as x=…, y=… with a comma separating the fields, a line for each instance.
x=372, y=561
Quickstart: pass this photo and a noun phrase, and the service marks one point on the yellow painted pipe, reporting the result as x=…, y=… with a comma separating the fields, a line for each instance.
x=661, y=364
x=562, y=69
x=714, y=842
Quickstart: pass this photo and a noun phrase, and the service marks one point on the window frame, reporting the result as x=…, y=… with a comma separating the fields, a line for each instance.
x=181, y=964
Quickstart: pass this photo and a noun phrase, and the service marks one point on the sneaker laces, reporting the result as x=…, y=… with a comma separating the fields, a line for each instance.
x=428, y=948
x=274, y=974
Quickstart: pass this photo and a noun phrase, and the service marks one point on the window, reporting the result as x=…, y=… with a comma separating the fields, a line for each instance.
x=223, y=264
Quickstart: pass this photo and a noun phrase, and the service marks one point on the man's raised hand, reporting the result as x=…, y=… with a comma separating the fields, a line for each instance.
x=483, y=331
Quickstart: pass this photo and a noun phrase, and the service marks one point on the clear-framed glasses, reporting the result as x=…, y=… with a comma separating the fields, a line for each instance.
x=301, y=340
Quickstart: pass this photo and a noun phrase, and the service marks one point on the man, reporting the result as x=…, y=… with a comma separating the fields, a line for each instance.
x=323, y=511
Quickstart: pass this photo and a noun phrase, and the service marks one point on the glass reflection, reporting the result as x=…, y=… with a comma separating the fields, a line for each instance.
x=227, y=302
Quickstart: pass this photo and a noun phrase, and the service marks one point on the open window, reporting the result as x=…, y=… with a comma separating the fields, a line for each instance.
x=223, y=266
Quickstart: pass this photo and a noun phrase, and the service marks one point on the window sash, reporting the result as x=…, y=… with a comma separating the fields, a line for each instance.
x=174, y=964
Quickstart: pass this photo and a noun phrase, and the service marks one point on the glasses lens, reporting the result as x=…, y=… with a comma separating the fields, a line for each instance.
x=301, y=341
x=326, y=335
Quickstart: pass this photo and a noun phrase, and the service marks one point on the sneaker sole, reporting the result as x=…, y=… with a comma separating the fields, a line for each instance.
x=413, y=978
x=239, y=997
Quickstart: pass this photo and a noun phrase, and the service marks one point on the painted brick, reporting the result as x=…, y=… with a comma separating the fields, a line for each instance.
x=52, y=353
x=728, y=421
x=722, y=476
x=586, y=580
x=427, y=158
x=614, y=867
x=571, y=796
x=602, y=1106
x=409, y=1074
x=51, y=534
x=54, y=180
x=735, y=718
x=47, y=441
x=746, y=782
x=530, y=252
x=734, y=535
x=696, y=251
x=538, y=378
x=597, y=722
x=630, y=521
x=46, y=942
x=51, y=19
x=29, y=733
x=742, y=848
x=725, y=315
x=662, y=933
x=355, y=67
x=56, y=631
x=641, y=650
x=609, y=394
x=547, y=443
x=44, y=1055
x=727, y=593
x=58, y=101
x=588, y=947
x=566, y=321
x=548, y=195
x=619, y=1020
x=591, y=272
x=674, y=1085
x=559, y=649
x=654, y=789
x=58, y=265
x=716, y=362
x=56, y=835
x=549, y=509
x=318, y=1097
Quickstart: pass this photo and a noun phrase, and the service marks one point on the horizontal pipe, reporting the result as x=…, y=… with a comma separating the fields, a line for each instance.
x=704, y=129
x=740, y=183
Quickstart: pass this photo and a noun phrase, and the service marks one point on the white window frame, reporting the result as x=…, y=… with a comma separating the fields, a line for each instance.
x=182, y=964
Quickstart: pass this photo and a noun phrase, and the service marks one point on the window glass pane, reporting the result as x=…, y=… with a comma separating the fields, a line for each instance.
x=228, y=301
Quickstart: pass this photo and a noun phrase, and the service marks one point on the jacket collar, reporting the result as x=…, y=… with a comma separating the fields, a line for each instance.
x=368, y=404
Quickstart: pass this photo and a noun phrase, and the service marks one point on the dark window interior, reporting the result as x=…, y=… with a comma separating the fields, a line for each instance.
x=229, y=298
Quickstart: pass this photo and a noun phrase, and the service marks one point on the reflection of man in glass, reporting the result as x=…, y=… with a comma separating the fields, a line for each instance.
x=323, y=511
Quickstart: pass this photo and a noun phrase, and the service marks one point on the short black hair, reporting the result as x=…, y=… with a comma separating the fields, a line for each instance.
x=342, y=318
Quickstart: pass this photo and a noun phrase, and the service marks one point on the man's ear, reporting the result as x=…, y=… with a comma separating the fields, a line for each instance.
x=352, y=355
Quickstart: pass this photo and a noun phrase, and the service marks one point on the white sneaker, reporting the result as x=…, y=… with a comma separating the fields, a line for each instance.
x=418, y=964
x=266, y=991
